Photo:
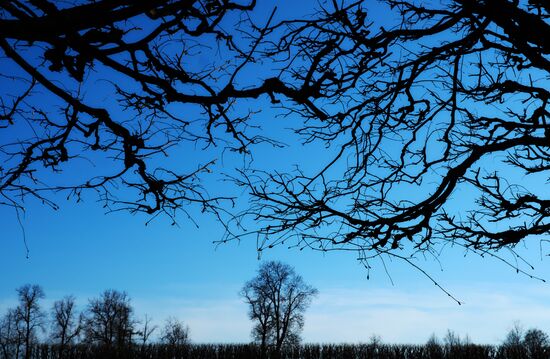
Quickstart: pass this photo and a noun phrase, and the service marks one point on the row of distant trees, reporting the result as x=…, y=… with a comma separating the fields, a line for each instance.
x=533, y=342
x=108, y=321
x=277, y=298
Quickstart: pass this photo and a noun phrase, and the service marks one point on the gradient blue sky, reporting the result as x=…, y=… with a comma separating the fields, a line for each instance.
x=177, y=270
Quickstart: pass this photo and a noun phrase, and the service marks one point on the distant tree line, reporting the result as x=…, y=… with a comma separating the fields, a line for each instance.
x=108, y=323
x=277, y=298
x=108, y=328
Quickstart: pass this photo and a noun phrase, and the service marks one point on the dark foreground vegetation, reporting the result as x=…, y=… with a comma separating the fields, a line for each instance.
x=308, y=351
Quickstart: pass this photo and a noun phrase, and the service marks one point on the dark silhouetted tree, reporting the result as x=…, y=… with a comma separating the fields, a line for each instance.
x=109, y=320
x=148, y=51
x=11, y=334
x=255, y=293
x=450, y=98
x=175, y=333
x=512, y=345
x=30, y=316
x=146, y=330
x=452, y=339
x=537, y=343
x=434, y=346
x=277, y=299
x=66, y=322
x=514, y=337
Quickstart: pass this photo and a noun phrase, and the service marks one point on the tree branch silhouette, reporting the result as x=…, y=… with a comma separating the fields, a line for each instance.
x=430, y=123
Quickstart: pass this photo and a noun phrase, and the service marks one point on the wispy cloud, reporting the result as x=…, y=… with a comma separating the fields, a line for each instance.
x=342, y=315
x=221, y=320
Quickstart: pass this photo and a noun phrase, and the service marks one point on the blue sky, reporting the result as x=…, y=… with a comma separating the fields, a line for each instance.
x=169, y=270
x=177, y=270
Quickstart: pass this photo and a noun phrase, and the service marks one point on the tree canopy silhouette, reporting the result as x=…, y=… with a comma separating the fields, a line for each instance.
x=142, y=48
x=277, y=298
x=434, y=120
x=110, y=320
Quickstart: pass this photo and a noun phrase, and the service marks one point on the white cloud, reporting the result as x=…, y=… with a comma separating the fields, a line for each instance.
x=342, y=315
x=209, y=320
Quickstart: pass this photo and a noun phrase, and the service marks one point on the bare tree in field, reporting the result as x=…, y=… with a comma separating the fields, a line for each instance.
x=277, y=299
x=11, y=335
x=66, y=322
x=175, y=333
x=30, y=316
x=536, y=343
x=453, y=340
x=514, y=337
x=109, y=320
x=146, y=330
x=255, y=293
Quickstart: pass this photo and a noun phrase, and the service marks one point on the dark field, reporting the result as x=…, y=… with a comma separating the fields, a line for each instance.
x=308, y=351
